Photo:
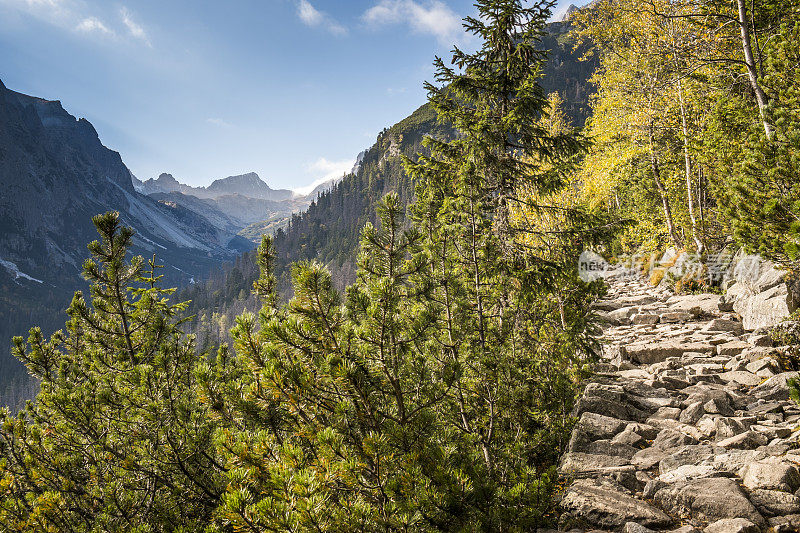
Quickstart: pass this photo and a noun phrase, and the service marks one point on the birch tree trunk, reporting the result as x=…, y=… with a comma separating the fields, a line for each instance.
x=698, y=241
x=662, y=191
x=752, y=70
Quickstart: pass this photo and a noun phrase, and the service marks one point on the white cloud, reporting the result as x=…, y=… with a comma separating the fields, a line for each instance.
x=326, y=170
x=219, y=122
x=54, y=12
x=330, y=169
x=309, y=14
x=134, y=29
x=314, y=18
x=433, y=18
x=75, y=15
x=93, y=24
x=44, y=3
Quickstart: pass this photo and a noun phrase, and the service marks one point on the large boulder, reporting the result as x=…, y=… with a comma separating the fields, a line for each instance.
x=579, y=464
x=610, y=448
x=709, y=499
x=776, y=387
x=765, y=309
x=758, y=292
x=603, y=504
x=622, y=316
x=692, y=454
x=697, y=304
x=732, y=525
x=593, y=426
x=749, y=440
x=774, y=502
x=772, y=474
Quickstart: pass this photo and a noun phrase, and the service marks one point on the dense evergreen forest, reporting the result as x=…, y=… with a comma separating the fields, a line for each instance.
x=415, y=367
x=40, y=305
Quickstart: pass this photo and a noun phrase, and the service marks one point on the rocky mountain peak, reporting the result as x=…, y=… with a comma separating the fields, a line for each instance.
x=250, y=181
x=570, y=10
x=167, y=182
x=249, y=184
x=61, y=136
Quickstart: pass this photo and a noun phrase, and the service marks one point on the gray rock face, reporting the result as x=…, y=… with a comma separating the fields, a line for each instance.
x=785, y=524
x=720, y=324
x=593, y=426
x=672, y=317
x=630, y=438
x=741, y=377
x=697, y=304
x=686, y=455
x=709, y=499
x=622, y=316
x=775, y=388
x=748, y=440
x=759, y=294
x=601, y=503
x=670, y=438
x=579, y=464
x=732, y=348
x=644, y=319
x=775, y=502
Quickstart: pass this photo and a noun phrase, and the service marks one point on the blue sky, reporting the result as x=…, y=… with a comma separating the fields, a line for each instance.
x=291, y=89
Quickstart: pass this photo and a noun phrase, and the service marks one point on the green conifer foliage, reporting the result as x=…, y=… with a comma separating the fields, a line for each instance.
x=760, y=190
x=338, y=427
x=513, y=317
x=435, y=394
x=115, y=440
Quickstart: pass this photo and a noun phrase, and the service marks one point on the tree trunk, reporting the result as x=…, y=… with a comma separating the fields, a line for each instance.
x=662, y=190
x=752, y=70
x=698, y=241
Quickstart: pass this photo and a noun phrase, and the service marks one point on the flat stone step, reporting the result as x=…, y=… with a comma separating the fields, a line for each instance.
x=647, y=353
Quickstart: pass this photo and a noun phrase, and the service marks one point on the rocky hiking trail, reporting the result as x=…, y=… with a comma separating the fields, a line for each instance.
x=687, y=424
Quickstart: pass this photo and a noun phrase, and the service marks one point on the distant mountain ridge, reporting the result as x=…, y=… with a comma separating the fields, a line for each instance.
x=55, y=174
x=244, y=203
x=249, y=185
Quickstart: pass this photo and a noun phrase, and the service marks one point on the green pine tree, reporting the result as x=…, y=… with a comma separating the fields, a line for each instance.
x=337, y=428
x=513, y=314
x=116, y=439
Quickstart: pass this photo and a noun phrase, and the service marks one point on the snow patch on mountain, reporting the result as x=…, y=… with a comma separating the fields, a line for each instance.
x=12, y=267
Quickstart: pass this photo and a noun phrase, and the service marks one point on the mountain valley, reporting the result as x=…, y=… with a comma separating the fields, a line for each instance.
x=55, y=175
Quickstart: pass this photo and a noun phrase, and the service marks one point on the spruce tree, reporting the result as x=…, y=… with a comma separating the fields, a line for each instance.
x=116, y=439
x=514, y=317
